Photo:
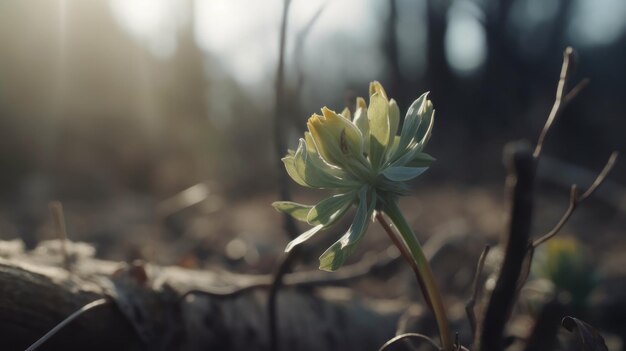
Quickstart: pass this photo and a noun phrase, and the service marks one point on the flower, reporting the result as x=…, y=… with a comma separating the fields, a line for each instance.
x=362, y=160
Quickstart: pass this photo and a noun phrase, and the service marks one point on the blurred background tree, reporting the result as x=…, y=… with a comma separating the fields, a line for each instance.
x=106, y=98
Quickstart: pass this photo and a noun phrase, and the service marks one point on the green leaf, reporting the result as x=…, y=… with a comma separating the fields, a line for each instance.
x=303, y=237
x=421, y=159
x=335, y=256
x=400, y=174
x=295, y=210
x=329, y=210
x=378, y=116
x=412, y=121
x=290, y=166
x=426, y=126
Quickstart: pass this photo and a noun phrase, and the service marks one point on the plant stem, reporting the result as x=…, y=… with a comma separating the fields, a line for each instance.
x=420, y=265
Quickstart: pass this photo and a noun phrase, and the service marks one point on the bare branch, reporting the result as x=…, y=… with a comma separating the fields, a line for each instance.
x=283, y=182
x=575, y=200
x=562, y=98
x=406, y=336
x=65, y=322
x=469, y=306
x=575, y=91
x=601, y=177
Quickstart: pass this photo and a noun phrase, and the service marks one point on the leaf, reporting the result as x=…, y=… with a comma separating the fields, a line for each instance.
x=290, y=166
x=412, y=120
x=426, y=126
x=303, y=237
x=400, y=174
x=335, y=256
x=421, y=159
x=329, y=210
x=588, y=337
x=295, y=210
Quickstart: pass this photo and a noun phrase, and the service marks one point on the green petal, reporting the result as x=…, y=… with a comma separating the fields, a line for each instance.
x=394, y=121
x=329, y=210
x=315, y=176
x=336, y=255
x=303, y=237
x=401, y=174
x=376, y=87
x=337, y=138
x=346, y=113
x=295, y=210
x=317, y=160
x=378, y=116
x=361, y=122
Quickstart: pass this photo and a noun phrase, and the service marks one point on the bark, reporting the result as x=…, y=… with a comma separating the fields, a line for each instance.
x=171, y=308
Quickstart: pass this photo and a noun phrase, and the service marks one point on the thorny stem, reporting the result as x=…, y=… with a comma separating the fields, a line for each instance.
x=420, y=265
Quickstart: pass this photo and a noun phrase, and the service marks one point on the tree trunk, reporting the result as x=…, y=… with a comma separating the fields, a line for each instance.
x=171, y=308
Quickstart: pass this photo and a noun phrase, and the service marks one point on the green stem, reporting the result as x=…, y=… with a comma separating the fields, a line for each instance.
x=422, y=269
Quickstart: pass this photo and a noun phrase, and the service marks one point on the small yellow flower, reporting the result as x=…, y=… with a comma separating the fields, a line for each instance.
x=362, y=159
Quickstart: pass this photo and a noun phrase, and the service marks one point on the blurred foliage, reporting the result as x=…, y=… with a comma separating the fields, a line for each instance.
x=564, y=262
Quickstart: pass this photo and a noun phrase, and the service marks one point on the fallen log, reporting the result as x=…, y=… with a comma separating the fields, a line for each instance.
x=170, y=308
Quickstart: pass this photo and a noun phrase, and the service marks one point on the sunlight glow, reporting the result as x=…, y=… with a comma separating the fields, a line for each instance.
x=597, y=22
x=465, y=42
x=152, y=22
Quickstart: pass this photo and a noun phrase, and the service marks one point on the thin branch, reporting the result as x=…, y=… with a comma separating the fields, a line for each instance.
x=308, y=279
x=283, y=181
x=559, y=101
x=66, y=321
x=56, y=212
x=405, y=337
x=575, y=91
x=576, y=200
x=298, y=51
x=601, y=177
x=469, y=306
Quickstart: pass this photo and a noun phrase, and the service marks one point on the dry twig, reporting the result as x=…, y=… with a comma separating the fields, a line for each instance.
x=561, y=99
x=469, y=306
x=56, y=212
x=575, y=200
x=283, y=182
x=65, y=322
